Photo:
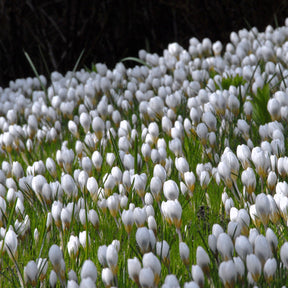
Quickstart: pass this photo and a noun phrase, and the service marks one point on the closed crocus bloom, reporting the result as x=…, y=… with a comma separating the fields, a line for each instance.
x=73, y=128
x=272, y=180
x=172, y=212
x=274, y=211
x=171, y=190
x=233, y=230
x=273, y=107
x=109, y=183
x=190, y=179
x=272, y=239
x=243, y=219
x=92, y=187
x=51, y=167
x=159, y=171
x=134, y=267
x=244, y=128
x=244, y=155
x=85, y=121
x=83, y=238
x=240, y=267
x=162, y=250
x=128, y=220
x=225, y=246
x=253, y=265
x=225, y=173
x=198, y=275
x=97, y=160
x=202, y=259
x=42, y=267
x=254, y=216
x=262, y=249
x=204, y=179
x=269, y=269
x=284, y=254
x=107, y=277
x=113, y=203
x=37, y=184
x=89, y=270
x=262, y=206
x=55, y=257
x=156, y=187
x=73, y=246
x=93, y=218
x=151, y=261
x=143, y=239
x=52, y=279
x=175, y=146
x=98, y=126
x=140, y=216
x=146, y=278
x=248, y=179
x=146, y=151
x=243, y=247
x=228, y=273
x=202, y=133
x=11, y=243
x=17, y=170
x=181, y=165
x=184, y=252
x=261, y=161
x=69, y=186
x=30, y=273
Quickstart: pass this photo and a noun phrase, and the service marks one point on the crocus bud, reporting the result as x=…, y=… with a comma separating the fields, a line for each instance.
x=156, y=188
x=30, y=273
x=228, y=273
x=89, y=270
x=269, y=269
x=203, y=259
x=53, y=279
x=97, y=160
x=171, y=190
x=253, y=265
x=134, y=267
x=284, y=254
x=243, y=247
x=225, y=246
x=162, y=250
x=146, y=277
x=151, y=261
x=198, y=275
x=262, y=206
x=107, y=277
x=128, y=220
x=248, y=179
x=143, y=239
x=11, y=243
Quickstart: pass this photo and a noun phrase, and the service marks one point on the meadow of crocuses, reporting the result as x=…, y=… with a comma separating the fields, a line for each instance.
x=171, y=173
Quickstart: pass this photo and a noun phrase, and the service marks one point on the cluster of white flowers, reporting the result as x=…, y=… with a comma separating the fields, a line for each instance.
x=124, y=141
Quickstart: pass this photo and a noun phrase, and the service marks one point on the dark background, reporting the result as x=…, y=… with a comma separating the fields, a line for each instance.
x=54, y=32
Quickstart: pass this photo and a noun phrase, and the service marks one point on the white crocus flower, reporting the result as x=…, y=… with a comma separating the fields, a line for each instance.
x=203, y=259
x=107, y=277
x=97, y=160
x=198, y=275
x=262, y=206
x=253, y=265
x=30, y=273
x=170, y=190
x=225, y=246
x=269, y=269
x=228, y=273
x=89, y=270
x=134, y=267
x=151, y=261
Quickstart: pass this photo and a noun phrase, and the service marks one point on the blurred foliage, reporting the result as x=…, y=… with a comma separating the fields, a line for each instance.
x=54, y=32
